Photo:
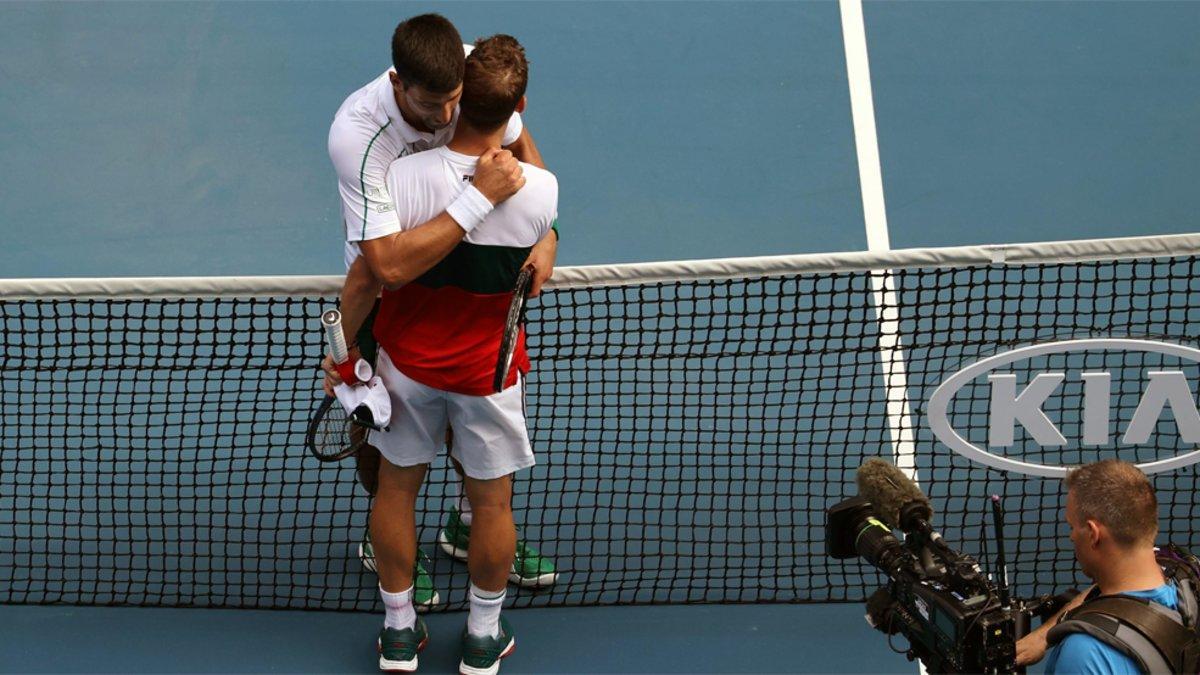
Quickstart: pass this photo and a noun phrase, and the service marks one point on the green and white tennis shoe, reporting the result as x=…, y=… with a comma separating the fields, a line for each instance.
x=398, y=649
x=481, y=655
x=530, y=568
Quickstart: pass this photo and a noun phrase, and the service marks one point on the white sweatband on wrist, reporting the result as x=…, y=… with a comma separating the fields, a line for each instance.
x=470, y=208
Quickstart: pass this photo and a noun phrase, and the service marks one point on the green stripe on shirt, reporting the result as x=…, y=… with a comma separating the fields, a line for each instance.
x=478, y=268
x=362, y=172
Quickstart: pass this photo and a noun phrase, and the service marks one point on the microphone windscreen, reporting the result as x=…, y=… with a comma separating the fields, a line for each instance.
x=888, y=489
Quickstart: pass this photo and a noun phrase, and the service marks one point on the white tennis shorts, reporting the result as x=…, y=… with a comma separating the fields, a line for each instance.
x=490, y=436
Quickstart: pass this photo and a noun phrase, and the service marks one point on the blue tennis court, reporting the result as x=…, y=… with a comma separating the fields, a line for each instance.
x=188, y=140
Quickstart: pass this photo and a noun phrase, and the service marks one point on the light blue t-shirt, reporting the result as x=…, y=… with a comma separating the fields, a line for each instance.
x=1082, y=653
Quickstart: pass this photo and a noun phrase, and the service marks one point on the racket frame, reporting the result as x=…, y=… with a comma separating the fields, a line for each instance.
x=512, y=329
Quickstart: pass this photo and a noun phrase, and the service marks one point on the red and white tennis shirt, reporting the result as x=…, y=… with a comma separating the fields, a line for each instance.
x=444, y=329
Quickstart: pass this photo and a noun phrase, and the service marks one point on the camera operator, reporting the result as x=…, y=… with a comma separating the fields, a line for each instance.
x=1113, y=516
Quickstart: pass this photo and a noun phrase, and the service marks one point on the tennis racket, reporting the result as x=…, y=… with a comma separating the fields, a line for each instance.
x=512, y=328
x=332, y=434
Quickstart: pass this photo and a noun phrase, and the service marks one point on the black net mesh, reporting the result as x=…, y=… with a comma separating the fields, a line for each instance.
x=689, y=437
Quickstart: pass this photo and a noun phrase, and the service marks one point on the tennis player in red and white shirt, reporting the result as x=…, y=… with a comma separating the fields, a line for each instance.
x=412, y=108
x=439, y=337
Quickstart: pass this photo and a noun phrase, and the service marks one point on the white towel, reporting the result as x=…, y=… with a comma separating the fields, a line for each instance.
x=369, y=392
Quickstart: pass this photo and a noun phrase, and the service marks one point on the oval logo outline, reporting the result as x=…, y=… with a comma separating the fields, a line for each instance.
x=939, y=402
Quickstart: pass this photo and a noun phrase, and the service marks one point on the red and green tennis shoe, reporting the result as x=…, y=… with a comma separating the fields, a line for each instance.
x=481, y=655
x=398, y=649
x=424, y=594
x=530, y=569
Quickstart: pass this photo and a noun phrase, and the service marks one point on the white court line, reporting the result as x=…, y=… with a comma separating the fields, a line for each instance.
x=870, y=176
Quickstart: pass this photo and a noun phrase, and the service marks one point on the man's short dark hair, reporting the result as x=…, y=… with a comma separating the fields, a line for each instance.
x=494, y=82
x=427, y=51
x=1118, y=495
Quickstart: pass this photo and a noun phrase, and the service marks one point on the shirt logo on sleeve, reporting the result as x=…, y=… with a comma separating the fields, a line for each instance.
x=379, y=198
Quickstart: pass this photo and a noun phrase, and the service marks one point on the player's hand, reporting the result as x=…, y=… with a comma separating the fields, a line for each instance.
x=1031, y=648
x=332, y=379
x=541, y=259
x=498, y=175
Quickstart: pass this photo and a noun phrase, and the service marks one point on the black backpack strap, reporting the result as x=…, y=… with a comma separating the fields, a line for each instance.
x=1188, y=602
x=1183, y=569
x=1153, y=636
x=1185, y=579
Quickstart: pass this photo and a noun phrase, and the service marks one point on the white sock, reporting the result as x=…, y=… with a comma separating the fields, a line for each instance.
x=462, y=503
x=400, y=612
x=484, y=619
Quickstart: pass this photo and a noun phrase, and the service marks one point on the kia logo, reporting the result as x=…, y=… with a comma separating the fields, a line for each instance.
x=1162, y=391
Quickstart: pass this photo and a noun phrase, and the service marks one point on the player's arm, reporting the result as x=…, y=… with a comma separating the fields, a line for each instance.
x=1032, y=648
x=543, y=254
x=359, y=291
x=542, y=257
x=401, y=257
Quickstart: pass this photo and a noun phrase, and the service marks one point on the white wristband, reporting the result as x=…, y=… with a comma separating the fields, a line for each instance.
x=470, y=208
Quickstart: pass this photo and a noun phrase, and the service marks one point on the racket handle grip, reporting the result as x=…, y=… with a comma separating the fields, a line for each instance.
x=331, y=321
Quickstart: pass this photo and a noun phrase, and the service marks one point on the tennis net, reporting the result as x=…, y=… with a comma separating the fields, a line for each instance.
x=692, y=422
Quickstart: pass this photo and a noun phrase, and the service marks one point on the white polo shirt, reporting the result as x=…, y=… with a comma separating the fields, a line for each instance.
x=367, y=135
